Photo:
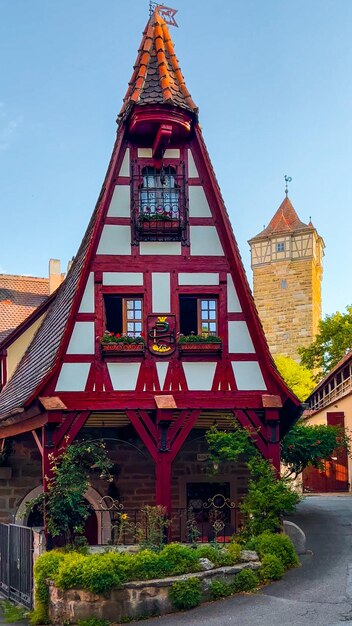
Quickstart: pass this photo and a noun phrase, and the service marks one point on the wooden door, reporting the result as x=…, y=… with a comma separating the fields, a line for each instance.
x=334, y=475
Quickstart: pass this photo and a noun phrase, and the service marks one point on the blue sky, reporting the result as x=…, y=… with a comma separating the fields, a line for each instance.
x=273, y=83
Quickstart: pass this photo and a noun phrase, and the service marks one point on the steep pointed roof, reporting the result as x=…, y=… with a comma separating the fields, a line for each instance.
x=284, y=221
x=157, y=77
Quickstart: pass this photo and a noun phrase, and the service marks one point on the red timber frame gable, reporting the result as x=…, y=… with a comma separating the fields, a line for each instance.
x=56, y=416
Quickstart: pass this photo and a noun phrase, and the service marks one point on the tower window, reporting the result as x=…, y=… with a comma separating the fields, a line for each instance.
x=280, y=247
x=198, y=315
x=123, y=316
x=284, y=284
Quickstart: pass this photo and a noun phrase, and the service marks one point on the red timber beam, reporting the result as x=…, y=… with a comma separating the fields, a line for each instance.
x=163, y=441
x=54, y=436
x=265, y=435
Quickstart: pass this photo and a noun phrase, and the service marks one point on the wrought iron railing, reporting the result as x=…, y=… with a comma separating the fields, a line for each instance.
x=16, y=563
x=217, y=519
x=158, y=204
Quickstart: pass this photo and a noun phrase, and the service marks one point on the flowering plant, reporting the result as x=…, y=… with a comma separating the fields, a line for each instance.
x=118, y=338
x=158, y=216
x=199, y=339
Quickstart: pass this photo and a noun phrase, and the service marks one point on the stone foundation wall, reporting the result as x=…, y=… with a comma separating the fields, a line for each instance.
x=134, y=600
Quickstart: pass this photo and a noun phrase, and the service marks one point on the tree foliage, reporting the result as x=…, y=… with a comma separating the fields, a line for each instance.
x=332, y=342
x=298, y=378
x=65, y=507
x=307, y=444
x=267, y=499
x=268, y=496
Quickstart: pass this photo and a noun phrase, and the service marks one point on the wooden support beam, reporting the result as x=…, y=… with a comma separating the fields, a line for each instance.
x=37, y=441
x=162, y=139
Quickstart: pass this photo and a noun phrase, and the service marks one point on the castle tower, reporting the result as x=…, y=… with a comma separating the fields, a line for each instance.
x=287, y=271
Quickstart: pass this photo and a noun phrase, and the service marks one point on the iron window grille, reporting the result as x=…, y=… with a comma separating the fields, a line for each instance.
x=159, y=203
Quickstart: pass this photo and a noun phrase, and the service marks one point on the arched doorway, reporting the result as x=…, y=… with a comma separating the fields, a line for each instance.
x=98, y=524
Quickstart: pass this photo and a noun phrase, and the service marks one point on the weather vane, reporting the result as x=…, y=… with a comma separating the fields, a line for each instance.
x=288, y=179
x=167, y=13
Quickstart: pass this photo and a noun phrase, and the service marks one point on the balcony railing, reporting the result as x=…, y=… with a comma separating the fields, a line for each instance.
x=340, y=390
x=158, y=205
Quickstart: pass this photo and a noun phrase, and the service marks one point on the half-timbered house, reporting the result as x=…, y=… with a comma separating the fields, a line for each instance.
x=153, y=336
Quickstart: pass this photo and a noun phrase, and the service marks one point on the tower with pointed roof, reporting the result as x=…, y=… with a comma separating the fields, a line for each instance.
x=153, y=336
x=287, y=273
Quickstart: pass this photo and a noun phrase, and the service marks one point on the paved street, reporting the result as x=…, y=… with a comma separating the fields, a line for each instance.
x=318, y=593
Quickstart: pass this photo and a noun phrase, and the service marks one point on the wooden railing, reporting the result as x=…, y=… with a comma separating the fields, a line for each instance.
x=339, y=391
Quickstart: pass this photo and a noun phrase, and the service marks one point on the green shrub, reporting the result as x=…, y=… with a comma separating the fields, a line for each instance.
x=179, y=559
x=185, y=594
x=219, y=589
x=97, y=576
x=235, y=551
x=45, y=569
x=245, y=580
x=279, y=545
x=272, y=568
x=39, y=615
x=218, y=555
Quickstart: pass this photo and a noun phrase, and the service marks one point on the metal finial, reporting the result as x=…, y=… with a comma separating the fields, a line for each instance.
x=167, y=13
x=288, y=179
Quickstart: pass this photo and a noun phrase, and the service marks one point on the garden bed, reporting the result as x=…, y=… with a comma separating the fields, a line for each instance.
x=136, y=599
x=114, y=587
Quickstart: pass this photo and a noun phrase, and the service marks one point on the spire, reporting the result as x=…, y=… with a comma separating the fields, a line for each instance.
x=157, y=77
x=285, y=220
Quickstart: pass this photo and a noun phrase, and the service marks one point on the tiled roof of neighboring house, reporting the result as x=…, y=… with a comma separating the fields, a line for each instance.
x=40, y=357
x=284, y=221
x=157, y=77
x=19, y=297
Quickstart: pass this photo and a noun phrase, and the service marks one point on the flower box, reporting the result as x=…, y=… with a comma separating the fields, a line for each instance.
x=192, y=347
x=123, y=348
x=159, y=224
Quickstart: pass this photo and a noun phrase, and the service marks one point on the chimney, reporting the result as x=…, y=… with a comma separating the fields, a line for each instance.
x=55, y=276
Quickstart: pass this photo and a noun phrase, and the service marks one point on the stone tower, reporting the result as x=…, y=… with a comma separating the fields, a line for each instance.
x=287, y=271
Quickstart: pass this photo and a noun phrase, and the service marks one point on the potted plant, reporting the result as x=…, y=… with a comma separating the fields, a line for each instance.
x=200, y=343
x=159, y=219
x=111, y=343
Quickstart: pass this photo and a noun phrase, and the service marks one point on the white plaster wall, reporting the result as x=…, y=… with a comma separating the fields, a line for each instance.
x=168, y=248
x=162, y=367
x=199, y=375
x=123, y=278
x=125, y=165
x=248, y=376
x=73, y=377
x=233, y=303
x=192, y=170
x=172, y=153
x=239, y=338
x=115, y=240
x=82, y=339
x=198, y=203
x=198, y=278
x=205, y=241
x=123, y=375
x=161, y=292
x=87, y=302
x=145, y=152
x=120, y=205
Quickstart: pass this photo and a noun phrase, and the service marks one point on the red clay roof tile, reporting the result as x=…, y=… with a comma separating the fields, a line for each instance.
x=285, y=220
x=19, y=297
